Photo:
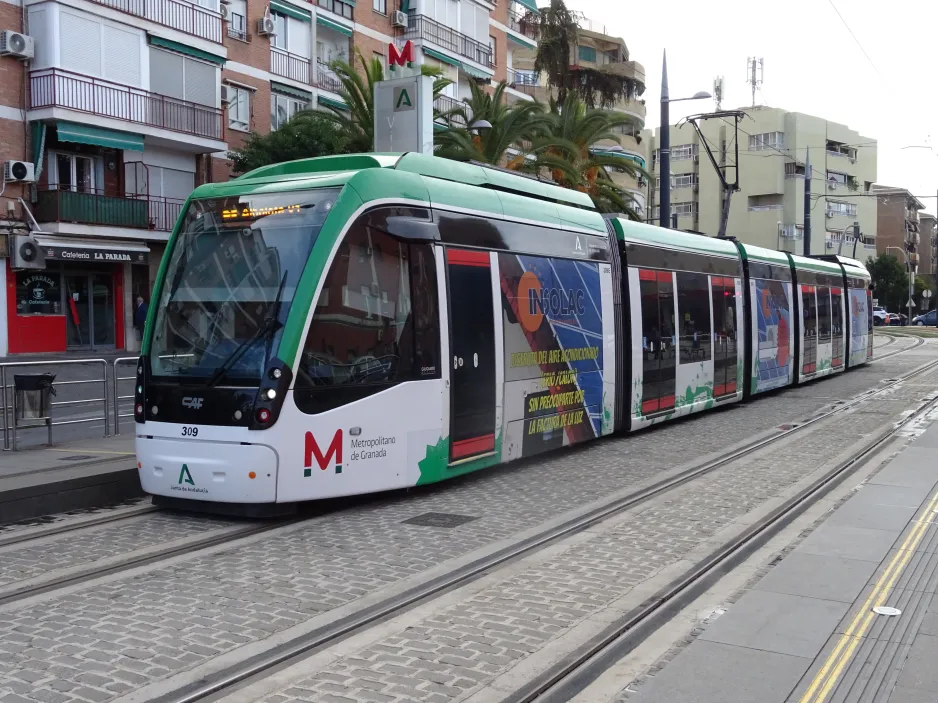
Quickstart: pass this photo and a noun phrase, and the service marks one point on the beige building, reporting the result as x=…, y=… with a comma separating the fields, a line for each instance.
x=898, y=232
x=596, y=50
x=768, y=210
x=927, y=248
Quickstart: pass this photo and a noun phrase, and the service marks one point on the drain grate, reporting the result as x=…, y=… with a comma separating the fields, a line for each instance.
x=77, y=457
x=440, y=520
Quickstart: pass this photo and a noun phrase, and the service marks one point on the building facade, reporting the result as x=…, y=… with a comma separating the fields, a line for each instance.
x=126, y=106
x=594, y=49
x=927, y=249
x=898, y=231
x=768, y=209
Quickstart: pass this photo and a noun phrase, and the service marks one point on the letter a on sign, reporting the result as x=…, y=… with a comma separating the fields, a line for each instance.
x=402, y=100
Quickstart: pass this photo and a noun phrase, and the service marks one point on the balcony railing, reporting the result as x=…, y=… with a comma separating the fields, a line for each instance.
x=523, y=82
x=518, y=22
x=53, y=87
x=184, y=16
x=96, y=208
x=428, y=29
x=283, y=63
x=445, y=103
x=326, y=78
x=237, y=26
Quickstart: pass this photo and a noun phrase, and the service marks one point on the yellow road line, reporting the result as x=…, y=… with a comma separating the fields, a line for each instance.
x=89, y=451
x=850, y=640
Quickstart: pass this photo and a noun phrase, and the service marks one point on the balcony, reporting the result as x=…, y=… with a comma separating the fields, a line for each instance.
x=53, y=87
x=176, y=14
x=96, y=208
x=428, y=29
x=524, y=82
x=518, y=22
x=326, y=78
x=283, y=63
x=444, y=103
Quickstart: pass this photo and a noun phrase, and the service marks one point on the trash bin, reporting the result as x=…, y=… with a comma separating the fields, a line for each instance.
x=32, y=395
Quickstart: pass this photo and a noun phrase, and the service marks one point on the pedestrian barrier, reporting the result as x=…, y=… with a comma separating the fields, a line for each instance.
x=31, y=398
x=118, y=398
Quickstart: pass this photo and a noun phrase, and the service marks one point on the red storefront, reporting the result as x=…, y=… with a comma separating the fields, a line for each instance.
x=77, y=302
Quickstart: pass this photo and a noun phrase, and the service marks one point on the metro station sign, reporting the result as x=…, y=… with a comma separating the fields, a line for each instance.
x=400, y=57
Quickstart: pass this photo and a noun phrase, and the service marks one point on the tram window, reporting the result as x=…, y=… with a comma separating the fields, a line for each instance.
x=376, y=322
x=693, y=307
x=837, y=327
x=824, y=314
x=651, y=341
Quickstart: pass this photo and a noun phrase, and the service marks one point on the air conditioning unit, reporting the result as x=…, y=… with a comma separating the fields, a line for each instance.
x=19, y=172
x=225, y=94
x=830, y=244
x=26, y=253
x=224, y=11
x=16, y=44
x=399, y=19
x=696, y=158
x=265, y=26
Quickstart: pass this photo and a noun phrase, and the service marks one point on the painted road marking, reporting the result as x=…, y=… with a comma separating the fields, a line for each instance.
x=827, y=677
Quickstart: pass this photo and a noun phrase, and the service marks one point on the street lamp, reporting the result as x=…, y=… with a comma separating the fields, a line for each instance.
x=856, y=238
x=664, y=163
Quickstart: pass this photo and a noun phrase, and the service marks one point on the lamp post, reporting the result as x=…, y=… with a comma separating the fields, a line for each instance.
x=664, y=149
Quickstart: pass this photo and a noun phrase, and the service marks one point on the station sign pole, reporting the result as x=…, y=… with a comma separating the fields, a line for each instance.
x=403, y=105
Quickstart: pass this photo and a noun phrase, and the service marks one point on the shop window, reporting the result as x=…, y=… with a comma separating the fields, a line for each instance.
x=38, y=293
x=376, y=322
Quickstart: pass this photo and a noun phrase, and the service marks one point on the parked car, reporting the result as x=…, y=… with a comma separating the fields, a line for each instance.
x=929, y=318
x=897, y=319
x=880, y=316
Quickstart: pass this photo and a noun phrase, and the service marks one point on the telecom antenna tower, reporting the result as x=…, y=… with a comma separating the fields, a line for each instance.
x=718, y=92
x=755, y=71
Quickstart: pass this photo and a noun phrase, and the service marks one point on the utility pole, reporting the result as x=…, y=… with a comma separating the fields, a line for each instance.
x=718, y=93
x=807, y=201
x=664, y=149
x=755, y=72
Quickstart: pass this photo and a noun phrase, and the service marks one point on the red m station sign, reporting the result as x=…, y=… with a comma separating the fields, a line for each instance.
x=401, y=57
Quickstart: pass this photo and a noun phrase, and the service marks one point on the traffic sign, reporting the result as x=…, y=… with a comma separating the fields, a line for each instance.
x=926, y=293
x=911, y=303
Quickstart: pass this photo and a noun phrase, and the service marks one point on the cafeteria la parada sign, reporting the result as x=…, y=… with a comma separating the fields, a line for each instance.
x=102, y=255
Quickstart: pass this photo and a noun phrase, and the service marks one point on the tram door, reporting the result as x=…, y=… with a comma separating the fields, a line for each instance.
x=659, y=341
x=472, y=352
x=724, y=336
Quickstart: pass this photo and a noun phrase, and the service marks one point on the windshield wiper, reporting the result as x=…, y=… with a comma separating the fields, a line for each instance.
x=266, y=329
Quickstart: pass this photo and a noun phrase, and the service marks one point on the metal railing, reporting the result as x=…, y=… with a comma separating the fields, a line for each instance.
x=117, y=397
x=283, y=63
x=237, y=26
x=428, y=29
x=54, y=87
x=9, y=411
x=183, y=16
x=518, y=22
x=95, y=207
x=326, y=77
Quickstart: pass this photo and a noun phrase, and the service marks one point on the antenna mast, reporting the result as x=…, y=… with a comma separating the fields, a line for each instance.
x=755, y=72
x=718, y=92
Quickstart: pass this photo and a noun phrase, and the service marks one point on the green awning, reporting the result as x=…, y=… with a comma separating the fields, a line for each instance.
x=285, y=8
x=530, y=4
x=39, y=146
x=475, y=72
x=441, y=57
x=187, y=50
x=291, y=91
x=521, y=40
x=335, y=26
x=331, y=102
x=97, y=136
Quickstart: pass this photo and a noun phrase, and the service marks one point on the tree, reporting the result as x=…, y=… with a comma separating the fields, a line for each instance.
x=356, y=124
x=558, y=28
x=890, y=281
x=512, y=128
x=573, y=154
x=307, y=134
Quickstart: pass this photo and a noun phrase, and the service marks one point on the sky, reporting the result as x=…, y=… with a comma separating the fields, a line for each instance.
x=812, y=65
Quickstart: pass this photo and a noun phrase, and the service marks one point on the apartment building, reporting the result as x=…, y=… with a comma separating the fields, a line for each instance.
x=768, y=210
x=898, y=227
x=126, y=105
x=598, y=51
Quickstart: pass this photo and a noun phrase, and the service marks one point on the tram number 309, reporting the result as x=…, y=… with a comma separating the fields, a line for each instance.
x=190, y=431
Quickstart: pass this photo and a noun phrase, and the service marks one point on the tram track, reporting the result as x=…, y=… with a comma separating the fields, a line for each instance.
x=73, y=527
x=259, y=666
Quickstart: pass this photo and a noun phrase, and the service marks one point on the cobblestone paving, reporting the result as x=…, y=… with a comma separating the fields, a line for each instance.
x=28, y=561
x=102, y=641
x=451, y=653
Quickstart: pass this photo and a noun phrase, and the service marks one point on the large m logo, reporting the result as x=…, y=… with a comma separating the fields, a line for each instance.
x=333, y=452
x=402, y=57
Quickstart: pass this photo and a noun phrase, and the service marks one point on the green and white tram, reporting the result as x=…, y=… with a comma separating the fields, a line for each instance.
x=351, y=324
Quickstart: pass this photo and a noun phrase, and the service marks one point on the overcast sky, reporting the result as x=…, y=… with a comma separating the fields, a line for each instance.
x=812, y=65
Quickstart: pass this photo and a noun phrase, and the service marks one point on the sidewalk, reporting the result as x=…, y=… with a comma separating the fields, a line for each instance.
x=814, y=629
x=72, y=475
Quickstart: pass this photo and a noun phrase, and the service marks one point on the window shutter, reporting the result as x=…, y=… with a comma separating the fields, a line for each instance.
x=200, y=82
x=121, y=56
x=81, y=44
x=166, y=74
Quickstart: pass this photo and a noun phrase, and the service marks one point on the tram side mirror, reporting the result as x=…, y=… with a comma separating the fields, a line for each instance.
x=412, y=228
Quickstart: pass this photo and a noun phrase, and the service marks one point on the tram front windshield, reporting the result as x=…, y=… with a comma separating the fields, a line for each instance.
x=230, y=279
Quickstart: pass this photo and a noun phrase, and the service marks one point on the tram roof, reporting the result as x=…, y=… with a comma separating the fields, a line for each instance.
x=325, y=171
x=811, y=264
x=768, y=256
x=671, y=238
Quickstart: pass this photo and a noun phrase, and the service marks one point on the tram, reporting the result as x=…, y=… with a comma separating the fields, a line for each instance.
x=351, y=324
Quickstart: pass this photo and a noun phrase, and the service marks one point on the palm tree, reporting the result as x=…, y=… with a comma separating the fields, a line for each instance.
x=575, y=157
x=506, y=142
x=357, y=90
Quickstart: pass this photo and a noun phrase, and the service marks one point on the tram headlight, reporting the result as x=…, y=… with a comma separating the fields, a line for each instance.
x=275, y=373
x=263, y=415
x=271, y=394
